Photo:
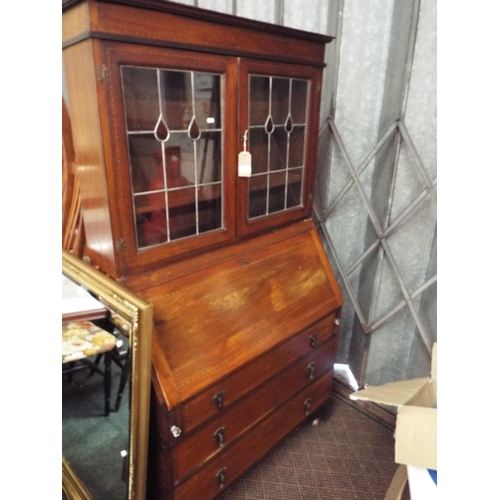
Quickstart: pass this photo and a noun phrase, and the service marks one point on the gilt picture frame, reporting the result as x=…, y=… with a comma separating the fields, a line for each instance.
x=137, y=317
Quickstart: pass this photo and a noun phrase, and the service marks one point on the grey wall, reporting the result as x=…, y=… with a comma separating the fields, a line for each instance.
x=376, y=190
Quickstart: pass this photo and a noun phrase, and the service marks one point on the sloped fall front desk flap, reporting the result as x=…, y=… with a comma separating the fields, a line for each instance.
x=211, y=322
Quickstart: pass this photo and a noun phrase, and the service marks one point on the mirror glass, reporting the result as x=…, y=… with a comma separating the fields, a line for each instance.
x=105, y=386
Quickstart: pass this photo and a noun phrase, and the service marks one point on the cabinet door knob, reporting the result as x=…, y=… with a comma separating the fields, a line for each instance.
x=221, y=478
x=337, y=321
x=218, y=436
x=218, y=399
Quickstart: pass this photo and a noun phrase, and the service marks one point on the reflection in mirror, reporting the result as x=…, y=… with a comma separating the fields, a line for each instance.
x=106, y=382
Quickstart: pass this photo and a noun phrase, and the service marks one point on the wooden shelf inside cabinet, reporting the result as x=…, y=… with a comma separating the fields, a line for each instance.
x=178, y=199
x=261, y=184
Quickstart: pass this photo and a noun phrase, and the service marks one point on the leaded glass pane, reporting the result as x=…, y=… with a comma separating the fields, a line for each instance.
x=174, y=130
x=296, y=148
x=176, y=97
x=277, y=184
x=294, y=191
x=279, y=149
x=257, y=202
x=140, y=94
x=151, y=221
x=207, y=100
x=258, y=147
x=259, y=99
x=280, y=100
x=277, y=111
x=142, y=154
x=210, y=207
x=298, y=106
x=182, y=213
x=209, y=151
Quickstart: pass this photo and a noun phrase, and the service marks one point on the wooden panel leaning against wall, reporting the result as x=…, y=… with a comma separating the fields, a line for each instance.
x=73, y=236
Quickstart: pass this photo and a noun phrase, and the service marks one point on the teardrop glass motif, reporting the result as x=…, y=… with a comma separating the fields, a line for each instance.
x=193, y=130
x=269, y=125
x=161, y=131
x=289, y=123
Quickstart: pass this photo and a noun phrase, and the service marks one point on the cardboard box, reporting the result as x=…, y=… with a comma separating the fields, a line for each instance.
x=399, y=489
x=416, y=422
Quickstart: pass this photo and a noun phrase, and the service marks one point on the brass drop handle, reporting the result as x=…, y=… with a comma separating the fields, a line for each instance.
x=218, y=399
x=310, y=368
x=221, y=478
x=307, y=406
x=312, y=339
x=218, y=436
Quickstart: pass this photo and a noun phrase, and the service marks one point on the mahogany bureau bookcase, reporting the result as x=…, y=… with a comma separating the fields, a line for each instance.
x=195, y=137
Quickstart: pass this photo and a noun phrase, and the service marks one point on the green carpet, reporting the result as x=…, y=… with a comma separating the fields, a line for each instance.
x=92, y=442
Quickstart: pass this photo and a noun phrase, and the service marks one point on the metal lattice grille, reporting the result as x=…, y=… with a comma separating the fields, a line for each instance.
x=384, y=228
x=375, y=200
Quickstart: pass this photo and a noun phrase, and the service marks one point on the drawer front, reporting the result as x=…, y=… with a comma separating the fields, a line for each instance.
x=221, y=432
x=235, y=459
x=221, y=395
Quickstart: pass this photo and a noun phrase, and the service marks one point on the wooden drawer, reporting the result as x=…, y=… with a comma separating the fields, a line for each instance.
x=204, y=444
x=235, y=459
x=201, y=408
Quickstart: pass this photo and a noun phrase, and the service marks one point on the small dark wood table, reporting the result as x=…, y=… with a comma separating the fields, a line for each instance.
x=81, y=338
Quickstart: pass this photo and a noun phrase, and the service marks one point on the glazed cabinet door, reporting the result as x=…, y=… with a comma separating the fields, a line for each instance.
x=279, y=106
x=172, y=144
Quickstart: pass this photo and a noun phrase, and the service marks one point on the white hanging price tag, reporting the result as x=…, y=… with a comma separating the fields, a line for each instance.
x=244, y=164
x=245, y=160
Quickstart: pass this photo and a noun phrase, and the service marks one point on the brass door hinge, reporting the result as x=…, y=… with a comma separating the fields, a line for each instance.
x=102, y=73
x=120, y=245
